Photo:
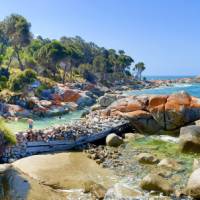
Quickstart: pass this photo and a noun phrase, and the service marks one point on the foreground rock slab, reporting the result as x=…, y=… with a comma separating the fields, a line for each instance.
x=64, y=170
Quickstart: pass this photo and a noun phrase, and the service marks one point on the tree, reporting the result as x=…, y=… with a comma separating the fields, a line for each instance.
x=139, y=68
x=51, y=55
x=86, y=71
x=9, y=55
x=123, y=61
x=17, y=31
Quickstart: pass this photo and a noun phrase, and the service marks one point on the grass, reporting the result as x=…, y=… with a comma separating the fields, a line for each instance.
x=163, y=149
x=7, y=133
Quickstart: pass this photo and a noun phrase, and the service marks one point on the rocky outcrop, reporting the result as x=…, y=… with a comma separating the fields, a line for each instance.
x=53, y=101
x=106, y=100
x=152, y=114
x=143, y=121
x=193, y=185
x=189, y=139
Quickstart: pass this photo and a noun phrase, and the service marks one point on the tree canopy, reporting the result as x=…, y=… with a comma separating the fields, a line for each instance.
x=57, y=58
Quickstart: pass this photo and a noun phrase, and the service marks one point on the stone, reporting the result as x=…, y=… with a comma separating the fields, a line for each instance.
x=96, y=107
x=189, y=139
x=193, y=185
x=129, y=136
x=94, y=188
x=72, y=106
x=121, y=191
x=113, y=140
x=143, y=122
x=147, y=158
x=156, y=183
x=106, y=100
x=128, y=104
x=156, y=114
x=45, y=103
x=71, y=96
x=169, y=163
x=4, y=167
x=157, y=107
x=85, y=100
x=196, y=164
x=197, y=122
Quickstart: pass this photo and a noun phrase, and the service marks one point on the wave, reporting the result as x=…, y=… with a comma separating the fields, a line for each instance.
x=178, y=85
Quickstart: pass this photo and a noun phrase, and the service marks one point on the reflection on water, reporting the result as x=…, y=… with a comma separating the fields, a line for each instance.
x=13, y=186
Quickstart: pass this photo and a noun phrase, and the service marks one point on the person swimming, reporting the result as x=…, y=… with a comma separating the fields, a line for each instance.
x=30, y=123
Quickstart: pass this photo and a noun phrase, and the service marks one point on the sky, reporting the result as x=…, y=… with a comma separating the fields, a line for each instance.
x=164, y=34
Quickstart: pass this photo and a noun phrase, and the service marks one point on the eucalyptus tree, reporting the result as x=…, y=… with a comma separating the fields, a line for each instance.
x=123, y=61
x=139, y=68
x=17, y=31
x=51, y=55
x=8, y=57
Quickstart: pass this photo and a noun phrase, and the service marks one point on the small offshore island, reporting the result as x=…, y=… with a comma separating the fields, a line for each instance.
x=93, y=136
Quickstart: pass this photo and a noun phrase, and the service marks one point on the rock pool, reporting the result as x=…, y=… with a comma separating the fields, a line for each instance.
x=41, y=123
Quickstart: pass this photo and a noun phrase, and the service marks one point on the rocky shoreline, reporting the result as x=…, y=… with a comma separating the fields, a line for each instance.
x=157, y=169
x=62, y=98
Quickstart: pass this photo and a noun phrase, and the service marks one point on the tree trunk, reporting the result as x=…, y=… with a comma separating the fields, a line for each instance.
x=19, y=60
x=64, y=74
x=9, y=63
x=67, y=67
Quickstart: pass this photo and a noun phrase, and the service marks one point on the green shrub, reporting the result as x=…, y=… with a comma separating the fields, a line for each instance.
x=21, y=79
x=3, y=82
x=41, y=88
x=7, y=133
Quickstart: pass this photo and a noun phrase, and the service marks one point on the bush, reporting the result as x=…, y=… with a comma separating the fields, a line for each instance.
x=7, y=133
x=19, y=81
x=3, y=82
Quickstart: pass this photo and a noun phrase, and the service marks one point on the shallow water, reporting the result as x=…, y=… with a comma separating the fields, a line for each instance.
x=41, y=123
x=192, y=89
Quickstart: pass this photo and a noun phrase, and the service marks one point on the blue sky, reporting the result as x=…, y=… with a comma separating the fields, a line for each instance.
x=164, y=34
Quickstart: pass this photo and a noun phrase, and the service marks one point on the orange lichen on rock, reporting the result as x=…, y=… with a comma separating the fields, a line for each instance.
x=70, y=96
x=137, y=114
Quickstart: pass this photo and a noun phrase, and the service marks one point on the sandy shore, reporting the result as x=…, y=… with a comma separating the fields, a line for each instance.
x=64, y=170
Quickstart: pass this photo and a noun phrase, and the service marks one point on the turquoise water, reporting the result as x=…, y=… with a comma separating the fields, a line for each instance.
x=166, y=77
x=42, y=123
x=192, y=89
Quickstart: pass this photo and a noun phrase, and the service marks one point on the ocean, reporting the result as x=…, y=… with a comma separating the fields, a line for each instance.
x=192, y=89
x=166, y=77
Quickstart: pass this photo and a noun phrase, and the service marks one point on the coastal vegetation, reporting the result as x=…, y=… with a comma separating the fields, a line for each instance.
x=7, y=134
x=25, y=57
